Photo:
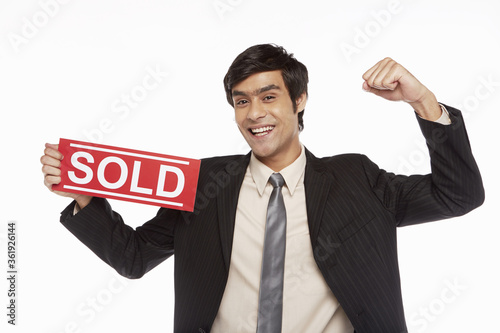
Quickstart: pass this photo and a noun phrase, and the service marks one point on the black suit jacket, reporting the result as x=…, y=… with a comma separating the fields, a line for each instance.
x=353, y=209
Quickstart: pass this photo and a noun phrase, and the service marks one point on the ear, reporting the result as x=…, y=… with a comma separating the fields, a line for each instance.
x=301, y=102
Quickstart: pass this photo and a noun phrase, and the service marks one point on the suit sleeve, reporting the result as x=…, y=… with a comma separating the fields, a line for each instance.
x=453, y=188
x=131, y=252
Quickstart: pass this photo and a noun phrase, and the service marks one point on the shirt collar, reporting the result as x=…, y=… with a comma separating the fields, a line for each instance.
x=293, y=174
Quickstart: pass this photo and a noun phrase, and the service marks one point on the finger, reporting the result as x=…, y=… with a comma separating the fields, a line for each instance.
x=365, y=86
x=375, y=68
x=50, y=161
x=369, y=72
x=52, y=150
x=394, y=76
x=51, y=180
x=370, y=79
x=373, y=72
x=51, y=171
x=387, y=94
x=384, y=79
x=374, y=88
x=378, y=74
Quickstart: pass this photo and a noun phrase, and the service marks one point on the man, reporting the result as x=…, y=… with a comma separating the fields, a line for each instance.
x=340, y=265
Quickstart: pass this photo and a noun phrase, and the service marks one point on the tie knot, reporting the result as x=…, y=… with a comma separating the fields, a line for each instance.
x=276, y=180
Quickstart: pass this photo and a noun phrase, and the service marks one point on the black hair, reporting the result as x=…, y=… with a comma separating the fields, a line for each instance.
x=265, y=58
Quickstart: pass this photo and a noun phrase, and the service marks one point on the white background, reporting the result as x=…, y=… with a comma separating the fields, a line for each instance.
x=64, y=66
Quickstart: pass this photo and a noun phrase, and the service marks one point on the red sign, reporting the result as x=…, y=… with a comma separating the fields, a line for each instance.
x=126, y=174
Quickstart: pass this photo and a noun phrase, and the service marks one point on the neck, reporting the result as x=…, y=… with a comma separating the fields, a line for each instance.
x=280, y=161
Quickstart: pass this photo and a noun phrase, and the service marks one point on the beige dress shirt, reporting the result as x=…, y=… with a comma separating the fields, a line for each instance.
x=308, y=303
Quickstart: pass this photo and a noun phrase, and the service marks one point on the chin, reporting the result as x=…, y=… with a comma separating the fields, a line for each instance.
x=263, y=153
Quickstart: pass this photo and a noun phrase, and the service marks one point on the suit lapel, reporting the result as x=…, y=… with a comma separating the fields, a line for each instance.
x=317, y=185
x=227, y=202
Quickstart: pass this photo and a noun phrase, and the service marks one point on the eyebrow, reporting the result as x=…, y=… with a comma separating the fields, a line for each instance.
x=256, y=92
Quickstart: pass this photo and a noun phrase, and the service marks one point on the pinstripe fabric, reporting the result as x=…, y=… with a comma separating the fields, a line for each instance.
x=353, y=211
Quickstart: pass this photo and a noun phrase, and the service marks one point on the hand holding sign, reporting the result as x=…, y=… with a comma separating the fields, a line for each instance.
x=51, y=161
x=97, y=170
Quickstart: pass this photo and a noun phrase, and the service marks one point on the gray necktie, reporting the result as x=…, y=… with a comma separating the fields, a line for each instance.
x=273, y=260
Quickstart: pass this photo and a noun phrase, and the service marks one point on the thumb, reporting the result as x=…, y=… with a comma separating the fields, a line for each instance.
x=382, y=92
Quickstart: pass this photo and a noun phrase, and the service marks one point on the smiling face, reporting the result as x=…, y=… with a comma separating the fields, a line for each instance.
x=265, y=116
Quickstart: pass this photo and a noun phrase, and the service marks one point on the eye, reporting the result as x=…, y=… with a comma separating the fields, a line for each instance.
x=269, y=98
x=241, y=102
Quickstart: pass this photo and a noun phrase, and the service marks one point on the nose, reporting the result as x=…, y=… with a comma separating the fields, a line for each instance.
x=256, y=111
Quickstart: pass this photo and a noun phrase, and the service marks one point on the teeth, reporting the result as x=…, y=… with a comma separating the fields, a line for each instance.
x=261, y=130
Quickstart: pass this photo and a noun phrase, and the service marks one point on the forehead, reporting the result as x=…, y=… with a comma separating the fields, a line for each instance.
x=253, y=83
